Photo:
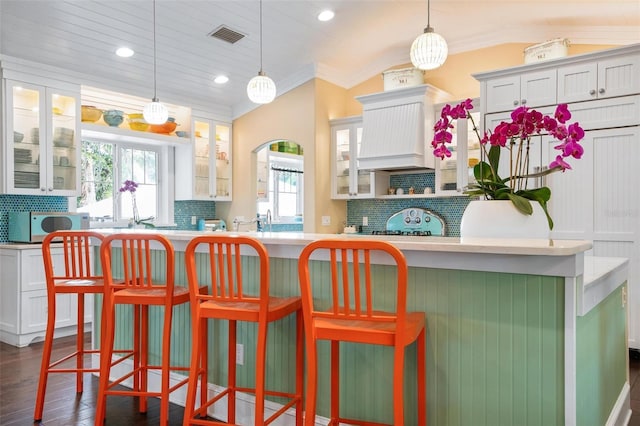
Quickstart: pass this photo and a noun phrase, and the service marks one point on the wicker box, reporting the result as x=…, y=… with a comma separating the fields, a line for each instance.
x=405, y=77
x=556, y=48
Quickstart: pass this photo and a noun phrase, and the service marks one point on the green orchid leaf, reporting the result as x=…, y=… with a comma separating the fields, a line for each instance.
x=521, y=203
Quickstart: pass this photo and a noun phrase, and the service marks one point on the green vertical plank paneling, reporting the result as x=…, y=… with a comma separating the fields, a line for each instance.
x=494, y=346
x=601, y=350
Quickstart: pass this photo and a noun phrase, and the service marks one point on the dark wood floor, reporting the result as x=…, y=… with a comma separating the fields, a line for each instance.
x=19, y=369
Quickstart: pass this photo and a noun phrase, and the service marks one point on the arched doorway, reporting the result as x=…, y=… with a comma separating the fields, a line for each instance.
x=280, y=185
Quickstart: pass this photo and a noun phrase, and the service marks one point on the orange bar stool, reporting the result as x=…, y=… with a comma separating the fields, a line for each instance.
x=77, y=278
x=138, y=287
x=218, y=264
x=342, y=308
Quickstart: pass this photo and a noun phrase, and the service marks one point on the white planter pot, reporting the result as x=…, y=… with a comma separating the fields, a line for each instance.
x=500, y=219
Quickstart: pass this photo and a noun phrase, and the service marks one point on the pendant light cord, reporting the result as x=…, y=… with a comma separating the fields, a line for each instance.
x=428, y=13
x=155, y=97
x=260, y=36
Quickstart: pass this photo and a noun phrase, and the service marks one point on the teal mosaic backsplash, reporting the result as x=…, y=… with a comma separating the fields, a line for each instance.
x=27, y=203
x=378, y=211
x=184, y=210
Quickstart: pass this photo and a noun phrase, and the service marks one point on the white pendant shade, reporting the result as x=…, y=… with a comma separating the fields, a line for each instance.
x=429, y=50
x=155, y=113
x=261, y=89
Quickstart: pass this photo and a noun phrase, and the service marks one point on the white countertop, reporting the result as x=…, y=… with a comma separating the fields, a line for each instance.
x=537, y=247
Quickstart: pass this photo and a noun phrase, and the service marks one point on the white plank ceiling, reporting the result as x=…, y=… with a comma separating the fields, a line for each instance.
x=366, y=37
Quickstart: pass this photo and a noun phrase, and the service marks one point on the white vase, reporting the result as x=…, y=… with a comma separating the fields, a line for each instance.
x=501, y=219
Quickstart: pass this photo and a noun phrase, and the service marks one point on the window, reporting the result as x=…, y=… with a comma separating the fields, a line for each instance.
x=106, y=165
x=283, y=194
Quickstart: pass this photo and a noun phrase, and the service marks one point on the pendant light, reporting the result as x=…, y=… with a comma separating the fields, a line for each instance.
x=155, y=112
x=429, y=50
x=261, y=89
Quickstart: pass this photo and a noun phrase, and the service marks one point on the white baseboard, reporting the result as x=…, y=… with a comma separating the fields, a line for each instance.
x=245, y=403
x=621, y=411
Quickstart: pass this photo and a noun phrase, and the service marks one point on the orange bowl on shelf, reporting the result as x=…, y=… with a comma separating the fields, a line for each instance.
x=165, y=128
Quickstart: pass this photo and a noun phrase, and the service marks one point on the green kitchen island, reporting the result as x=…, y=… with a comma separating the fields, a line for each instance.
x=519, y=332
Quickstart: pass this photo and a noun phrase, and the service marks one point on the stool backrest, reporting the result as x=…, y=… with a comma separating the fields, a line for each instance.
x=346, y=289
x=133, y=265
x=76, y=249
x=220, y=268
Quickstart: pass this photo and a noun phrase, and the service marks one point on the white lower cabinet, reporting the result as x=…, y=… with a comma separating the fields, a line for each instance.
x=23, y=298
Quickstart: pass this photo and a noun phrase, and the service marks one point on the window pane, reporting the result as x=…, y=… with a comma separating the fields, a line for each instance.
x=141, y=167
x=96, y=180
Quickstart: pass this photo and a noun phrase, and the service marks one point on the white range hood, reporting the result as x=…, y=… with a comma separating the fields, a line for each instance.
x=398, y=128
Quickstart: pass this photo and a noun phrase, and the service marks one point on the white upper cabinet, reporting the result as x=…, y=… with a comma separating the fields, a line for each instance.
x=602, y=79
x=41, y=155
x=347, y=180
x=531, y=89
x=203, y=169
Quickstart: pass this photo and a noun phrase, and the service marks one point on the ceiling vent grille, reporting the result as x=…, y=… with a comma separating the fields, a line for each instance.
x=226, y=34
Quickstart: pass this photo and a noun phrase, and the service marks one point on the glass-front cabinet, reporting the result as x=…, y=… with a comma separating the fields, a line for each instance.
x=347, y=181
x=42, y=133
x=210, y=162
x=454, y=173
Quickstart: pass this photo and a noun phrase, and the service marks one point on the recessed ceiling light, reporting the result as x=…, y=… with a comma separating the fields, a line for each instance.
x=124, y=52
x=221, y=79
x=326, y=15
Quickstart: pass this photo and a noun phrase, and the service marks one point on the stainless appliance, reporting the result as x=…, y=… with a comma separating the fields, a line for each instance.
x=32, y=227
x=215, y=225
x=414, y=221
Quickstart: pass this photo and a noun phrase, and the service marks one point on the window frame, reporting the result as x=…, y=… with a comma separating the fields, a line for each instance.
x=165, y=185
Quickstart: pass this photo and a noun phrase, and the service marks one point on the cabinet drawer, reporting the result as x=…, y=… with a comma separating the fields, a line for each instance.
x=32, y=268
x=607, y=113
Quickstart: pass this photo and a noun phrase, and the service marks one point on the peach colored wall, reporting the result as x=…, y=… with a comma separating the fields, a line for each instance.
x=301, y=115
x=455, y=76
x=290, y=116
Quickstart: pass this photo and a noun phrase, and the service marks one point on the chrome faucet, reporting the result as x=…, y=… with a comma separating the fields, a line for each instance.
x=268, y=219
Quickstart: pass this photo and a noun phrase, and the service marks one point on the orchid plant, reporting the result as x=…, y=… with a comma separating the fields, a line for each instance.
x=131, y=187
x=514, y=136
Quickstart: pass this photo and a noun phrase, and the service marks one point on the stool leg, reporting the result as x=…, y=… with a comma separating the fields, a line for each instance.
x=299, y=365
x=398, y=384
x=46, y=358
x=80, y=344
x=335, y=379
x=204, y=356
x=312, y=381
x=195, y=366
x=144, y=356
x=166, y=363
x=106, y=352
x=422, y=378
x=261, y=348
x=231, y=380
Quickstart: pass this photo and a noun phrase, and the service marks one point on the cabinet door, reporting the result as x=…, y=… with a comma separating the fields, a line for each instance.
x=63, y=150
x=538, y=88
x=619, y=76
x=341, y=164
x=202, y=170
x=503, y=94
x=24, y=170
x=223, y=162
x=577, y=82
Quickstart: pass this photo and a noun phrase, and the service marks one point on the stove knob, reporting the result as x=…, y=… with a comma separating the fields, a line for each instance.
x=418, y=220
x=407, y=219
